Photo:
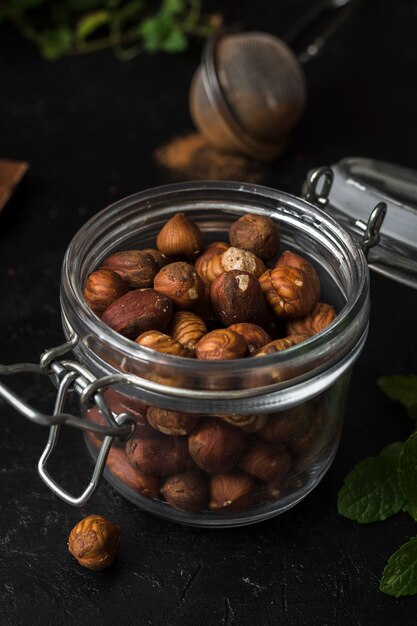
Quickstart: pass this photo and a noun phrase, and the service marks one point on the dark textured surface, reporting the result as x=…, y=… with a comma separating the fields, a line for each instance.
x=88, y=127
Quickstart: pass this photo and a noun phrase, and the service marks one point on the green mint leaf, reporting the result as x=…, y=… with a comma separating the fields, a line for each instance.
x=403, y=389
x=399, y=577
x=411, y=510
x=56, y=42
x=175, y=42
x=371, y=491
x=90, y=23
x=407, y=470
x=173, y=7
x=393, y=449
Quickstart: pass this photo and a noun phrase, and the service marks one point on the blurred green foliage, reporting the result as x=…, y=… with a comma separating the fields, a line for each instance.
x=64, y=27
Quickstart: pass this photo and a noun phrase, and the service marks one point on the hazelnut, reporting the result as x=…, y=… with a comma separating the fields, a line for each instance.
x=287, y=425
x=180, y=282
x=255, y=336
x=171, y=422
x=257, y=233
x=320, y=316
x=203, y=308
x=188, y=491
x=220, y=245
x=231, y=493
x=294, y=260
x=282, y=344
x=215, y=446
x=158, y=457
x=160, y=342
x=188, y=328
x=180, y=237
x=266, y=461
x=236, y=296
x=160, y=259
x=119, y=466
x=137, y=311
x=279, y=488
x=94, y=542
x=102, y=288
x=248, y=423
x=288, y=291
x=221, y=344
x=136, y=267
x=238, y=259
x=209, y=264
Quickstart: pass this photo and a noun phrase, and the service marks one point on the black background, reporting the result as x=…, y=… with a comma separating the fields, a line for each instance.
x=88, y=127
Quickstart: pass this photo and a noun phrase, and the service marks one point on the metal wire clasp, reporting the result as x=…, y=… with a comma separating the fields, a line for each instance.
x=69, y=376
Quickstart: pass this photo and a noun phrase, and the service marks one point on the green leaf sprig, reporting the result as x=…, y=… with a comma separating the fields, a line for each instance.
x=384, y=485
x=127, y=26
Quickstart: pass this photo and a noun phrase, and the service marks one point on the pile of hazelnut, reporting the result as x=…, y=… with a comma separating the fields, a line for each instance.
x=214, y=304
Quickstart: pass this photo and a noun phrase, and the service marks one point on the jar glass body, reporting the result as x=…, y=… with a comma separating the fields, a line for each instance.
x=275, y=421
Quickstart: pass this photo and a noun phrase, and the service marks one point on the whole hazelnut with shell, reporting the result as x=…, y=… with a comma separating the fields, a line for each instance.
x=320, y=316
x=291, y=259
x=288, y=291
x=163, y=343
x=102, y=288
x=158, y=457
x=257, y=233
x=119, y=466
x=236, y=296
x=215, y=446
x=188, y=491
x=188, y=328
x=231, y=493
x=94, y=542
x=136, y=267
x=171, y=422
x=221, y=344
x=266, y=461
x=180, y=237
x=180, y=282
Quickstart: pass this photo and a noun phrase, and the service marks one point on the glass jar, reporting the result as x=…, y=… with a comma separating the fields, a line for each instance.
x=256, y=434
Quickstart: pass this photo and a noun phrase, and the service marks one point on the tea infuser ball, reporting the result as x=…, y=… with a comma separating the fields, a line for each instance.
x=247, y=94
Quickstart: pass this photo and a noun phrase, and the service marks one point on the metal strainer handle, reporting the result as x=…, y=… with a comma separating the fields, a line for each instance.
x=343, y=10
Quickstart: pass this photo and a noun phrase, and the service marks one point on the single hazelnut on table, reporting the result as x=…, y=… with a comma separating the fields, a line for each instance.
x=291, y=259
x=119, y=466
x=171, y=422
x=180, y=282
x=180, y=237
x=136, y=267
x=266, y=461
x=215, y=446
x=188, y=328
x=282, y=344
x=138, y=311
x=248, y=423
x=257, y=233
x=94, y=542
x=287, y=425
x=231, y=493
x=188, y=491
x=221, y=344
x=320, y=316
x=159, y=457
x=160, y=342
x=255, y=336
x=236, y=296
x=288, y=291
x=102, y=288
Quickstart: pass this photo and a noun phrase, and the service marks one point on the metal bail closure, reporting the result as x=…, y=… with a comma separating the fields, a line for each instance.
x=318, y=185
x=372, y=235
x=69, y=376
